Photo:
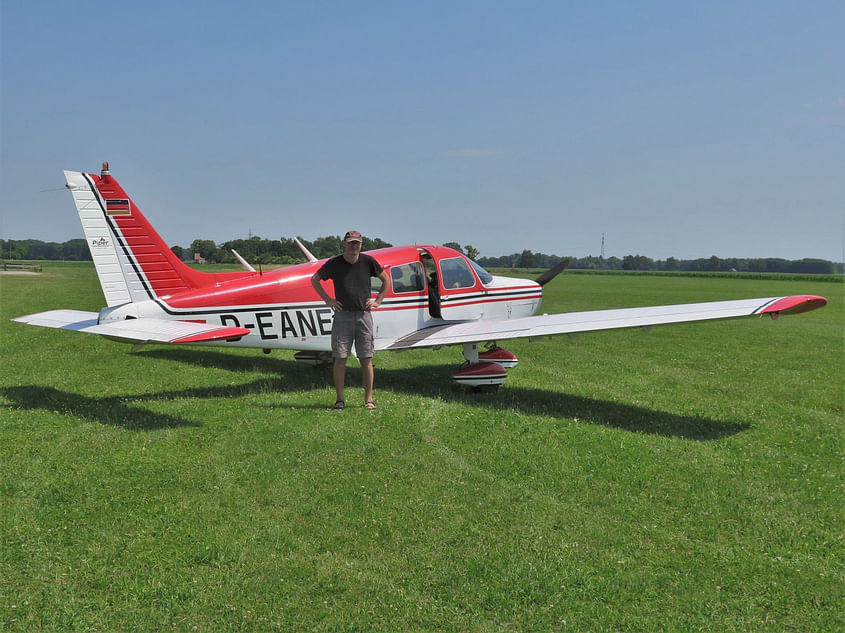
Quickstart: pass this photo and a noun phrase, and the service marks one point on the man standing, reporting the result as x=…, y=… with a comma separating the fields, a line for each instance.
x=352, y=321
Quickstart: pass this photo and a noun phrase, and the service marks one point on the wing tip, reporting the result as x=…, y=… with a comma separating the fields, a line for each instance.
x=795, y=304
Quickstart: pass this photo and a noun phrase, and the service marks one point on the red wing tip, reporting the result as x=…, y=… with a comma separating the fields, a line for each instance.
x=214, y=335
x=795, y=304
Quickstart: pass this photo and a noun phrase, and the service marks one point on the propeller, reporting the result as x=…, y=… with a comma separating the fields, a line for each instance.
x=552, y=272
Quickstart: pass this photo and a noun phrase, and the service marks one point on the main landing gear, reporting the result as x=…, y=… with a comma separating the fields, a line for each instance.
x=484, y=371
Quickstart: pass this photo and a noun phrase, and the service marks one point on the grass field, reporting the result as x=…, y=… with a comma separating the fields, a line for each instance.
x=683, y=479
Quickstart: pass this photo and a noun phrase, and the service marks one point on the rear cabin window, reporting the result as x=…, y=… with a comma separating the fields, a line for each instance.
x=456, y=273
x=407, y=278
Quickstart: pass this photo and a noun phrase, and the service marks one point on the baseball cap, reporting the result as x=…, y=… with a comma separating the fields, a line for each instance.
x=352, y=236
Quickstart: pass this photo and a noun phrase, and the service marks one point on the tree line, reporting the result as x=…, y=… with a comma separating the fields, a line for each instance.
x=72, y=250
x=257, y=250
x=527, y=259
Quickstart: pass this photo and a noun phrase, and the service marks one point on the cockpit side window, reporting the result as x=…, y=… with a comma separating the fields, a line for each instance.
x=485, y=277
x=456, y=273
x=407, y=278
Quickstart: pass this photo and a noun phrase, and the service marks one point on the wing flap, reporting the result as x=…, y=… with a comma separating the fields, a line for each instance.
x=134, y=330
x=594, y=320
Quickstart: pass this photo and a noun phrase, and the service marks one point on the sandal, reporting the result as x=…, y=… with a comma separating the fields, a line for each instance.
x=370, y=405
x=340, y=405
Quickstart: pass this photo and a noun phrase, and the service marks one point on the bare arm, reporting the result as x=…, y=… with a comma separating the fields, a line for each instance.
x=334, y=304
x=374, y=303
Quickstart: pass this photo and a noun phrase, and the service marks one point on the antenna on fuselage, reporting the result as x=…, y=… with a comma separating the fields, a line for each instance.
x=304, y=250
x=243, y=262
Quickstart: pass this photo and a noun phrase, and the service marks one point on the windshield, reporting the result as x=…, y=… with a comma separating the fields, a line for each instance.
x=483, y=275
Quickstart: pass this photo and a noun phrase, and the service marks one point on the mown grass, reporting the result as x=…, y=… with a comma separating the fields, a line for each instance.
x=688, y=478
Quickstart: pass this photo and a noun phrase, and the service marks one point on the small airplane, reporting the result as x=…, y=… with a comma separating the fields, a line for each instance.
x=437, y=297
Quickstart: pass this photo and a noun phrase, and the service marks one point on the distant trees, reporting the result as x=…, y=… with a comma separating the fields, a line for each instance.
x=515, y=260
x=469, y=250
x=526, y=259
x=814, y=266
x=257, y=250
x=206, y=249
x=637, y=262
x=72, y=250
x=641, y=262
x=762, y=265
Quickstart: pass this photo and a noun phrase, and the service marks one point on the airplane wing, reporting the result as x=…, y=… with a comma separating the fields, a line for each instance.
x=134, y=330
x=570, y=322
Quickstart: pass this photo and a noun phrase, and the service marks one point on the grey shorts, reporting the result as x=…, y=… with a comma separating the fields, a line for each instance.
x=349, y=326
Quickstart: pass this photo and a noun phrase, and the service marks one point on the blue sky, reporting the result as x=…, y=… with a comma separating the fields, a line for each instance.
x=684, y=129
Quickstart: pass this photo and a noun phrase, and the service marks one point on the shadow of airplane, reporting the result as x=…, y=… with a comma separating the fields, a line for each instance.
x=112, y=410
x=436, y=382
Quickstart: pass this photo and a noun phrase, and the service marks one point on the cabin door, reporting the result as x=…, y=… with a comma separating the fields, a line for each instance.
x=454, y=292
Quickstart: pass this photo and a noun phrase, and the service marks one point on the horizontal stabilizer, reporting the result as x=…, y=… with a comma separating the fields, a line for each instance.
x=570, y=322
x=134, y=330
x=63, y=319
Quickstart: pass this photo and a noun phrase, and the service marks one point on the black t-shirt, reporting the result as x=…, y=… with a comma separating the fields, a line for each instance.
x=351, y=281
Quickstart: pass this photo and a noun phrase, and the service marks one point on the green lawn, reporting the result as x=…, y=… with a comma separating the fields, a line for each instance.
x=683, y=479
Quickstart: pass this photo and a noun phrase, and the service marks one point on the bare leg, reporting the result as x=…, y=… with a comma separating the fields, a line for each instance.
x=339, y=376
x=367, y=377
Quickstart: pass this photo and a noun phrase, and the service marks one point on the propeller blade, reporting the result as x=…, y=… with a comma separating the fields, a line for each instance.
x=552, y=272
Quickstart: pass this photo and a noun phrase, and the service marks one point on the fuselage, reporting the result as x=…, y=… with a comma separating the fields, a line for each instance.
x=428, y=285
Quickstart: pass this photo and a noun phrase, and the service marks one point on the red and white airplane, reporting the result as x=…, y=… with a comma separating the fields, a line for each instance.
x=437, y=297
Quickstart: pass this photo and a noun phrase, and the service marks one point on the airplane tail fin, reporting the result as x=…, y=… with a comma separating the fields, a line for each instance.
x=133, y=263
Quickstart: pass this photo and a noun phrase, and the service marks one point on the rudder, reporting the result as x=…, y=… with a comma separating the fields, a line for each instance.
x=132, y=262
